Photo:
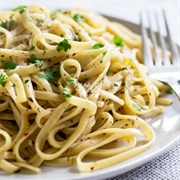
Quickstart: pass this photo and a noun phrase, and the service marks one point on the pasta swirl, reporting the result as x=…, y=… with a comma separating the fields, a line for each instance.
x=72, y=87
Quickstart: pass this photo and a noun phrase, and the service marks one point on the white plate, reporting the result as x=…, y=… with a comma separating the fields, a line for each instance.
x=166, y=127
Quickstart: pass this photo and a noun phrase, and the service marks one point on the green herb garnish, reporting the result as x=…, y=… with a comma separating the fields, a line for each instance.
x=124, y=68
x=7, y=25
x=78, y=17
x=32, y=48
x=2, y=80
x=72, y=81
x=21, y=9
x=66, y=95
x=4, y=24
x=41, y=9
x=136, y=106
x=8, y=65
x=108, y=73
x=40, y=22
x=11, y=23
x=97, y=46
x=39, y=63
x=48, y=75
x=26, y=81
x=169, y=91
x=63, y=45
x=104, y=53
x=58, y=71
x=33, y=60
x=118, y=41
x=77, y=37
x=57, y=11
x=14, y=85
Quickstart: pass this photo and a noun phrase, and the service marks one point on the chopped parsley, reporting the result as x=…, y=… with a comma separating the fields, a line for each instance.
x=2, y=80
x=48, y=75
x=32, y=48
x=26, y=81
x=124, y=68
x=78, y=17
x=63, y=45
x=4, y=24
x=72, y=81
x=108, y=73
x=118, y=41
x=39, y=63
x=77, y=37
x=90, y=34
x=66, y=95
x=14, y=85
x=7, y=25
x=57, y=11
x=11, y=23
x=21, y=9
x=40, y=22
x=97, y=46
x=136, y=106
x=33, y=60
x=58, y=71
x=41, y=9
x=104, y=53
x=8, y=65
x=169, y=91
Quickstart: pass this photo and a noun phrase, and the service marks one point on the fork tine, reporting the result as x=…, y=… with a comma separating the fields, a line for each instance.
x=157, y=60
x=162, y=42
x=161, y=69
x=147, y=58
x=172, y=47
x=178, y=49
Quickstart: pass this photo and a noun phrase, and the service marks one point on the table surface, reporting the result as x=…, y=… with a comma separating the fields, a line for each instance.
x=166, y=166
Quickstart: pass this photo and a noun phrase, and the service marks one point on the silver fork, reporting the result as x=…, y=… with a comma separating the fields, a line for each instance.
x=161, y=67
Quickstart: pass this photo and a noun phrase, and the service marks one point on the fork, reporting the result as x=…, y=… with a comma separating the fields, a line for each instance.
x=161, y=68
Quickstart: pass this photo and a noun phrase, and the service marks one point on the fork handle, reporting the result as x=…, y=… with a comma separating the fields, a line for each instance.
x=175, y=87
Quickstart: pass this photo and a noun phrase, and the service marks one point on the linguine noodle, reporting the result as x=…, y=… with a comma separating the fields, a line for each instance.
x=72, y=86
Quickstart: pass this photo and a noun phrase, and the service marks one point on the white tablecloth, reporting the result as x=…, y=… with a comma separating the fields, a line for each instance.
x=165, y=167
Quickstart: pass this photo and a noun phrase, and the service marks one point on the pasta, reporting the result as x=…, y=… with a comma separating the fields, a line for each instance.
x=72, y=86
